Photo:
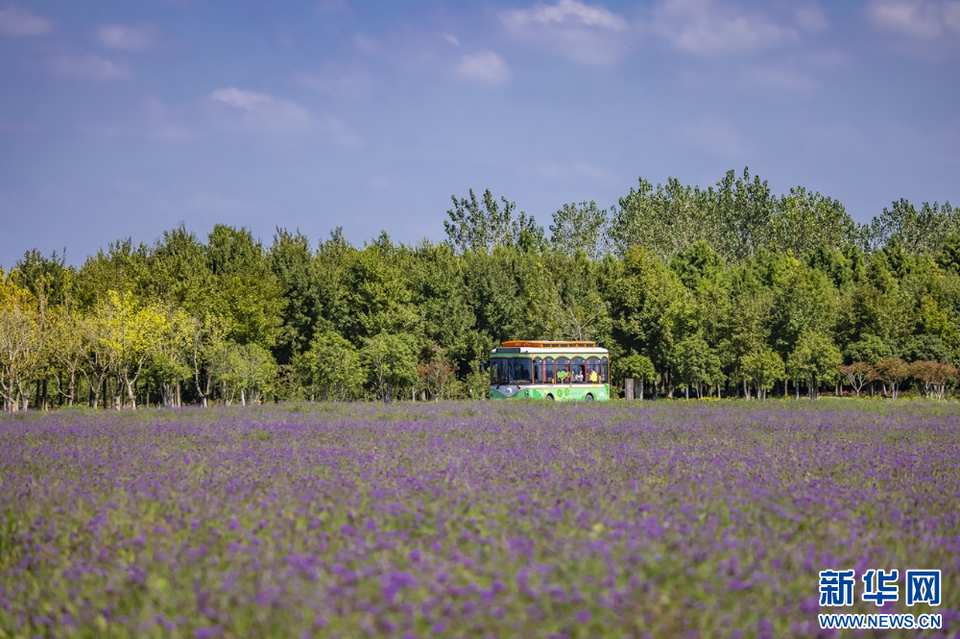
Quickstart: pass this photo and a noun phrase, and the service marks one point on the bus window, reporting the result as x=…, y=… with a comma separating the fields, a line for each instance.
x=495, y=371
x=537, y=370
x=521, y=371
x=563, y=370
x=593, y=370
x=603, y=370
x=550, y=371
x=579, y=374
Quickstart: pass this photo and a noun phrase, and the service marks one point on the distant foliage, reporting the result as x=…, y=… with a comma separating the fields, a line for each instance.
x=729, y=289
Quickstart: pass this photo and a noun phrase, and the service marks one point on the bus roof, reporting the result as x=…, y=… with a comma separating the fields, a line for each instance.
x=548, y=344
x=550, y=347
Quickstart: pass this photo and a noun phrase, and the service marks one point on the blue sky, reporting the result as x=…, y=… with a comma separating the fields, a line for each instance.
x=125, y=118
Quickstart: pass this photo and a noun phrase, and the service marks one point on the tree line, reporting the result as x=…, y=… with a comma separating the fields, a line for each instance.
x=728, y=290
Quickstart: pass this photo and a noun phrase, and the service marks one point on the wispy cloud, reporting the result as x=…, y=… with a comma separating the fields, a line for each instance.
x=584, y=33
x=923, y=19
x=483, y=66
x=126, y=38
x=90, y=67
x=261, y=112
x=15, y=21
x=705, y=27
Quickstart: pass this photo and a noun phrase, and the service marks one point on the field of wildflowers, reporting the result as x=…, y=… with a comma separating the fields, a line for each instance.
x=471, y=519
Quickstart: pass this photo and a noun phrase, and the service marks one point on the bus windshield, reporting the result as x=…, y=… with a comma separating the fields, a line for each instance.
x=513, y=370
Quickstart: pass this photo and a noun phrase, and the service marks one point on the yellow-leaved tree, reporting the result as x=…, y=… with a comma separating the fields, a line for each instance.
x=132, y=333
x=21, y=343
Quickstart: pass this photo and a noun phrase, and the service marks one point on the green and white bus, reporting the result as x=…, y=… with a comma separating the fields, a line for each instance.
x=551, y=370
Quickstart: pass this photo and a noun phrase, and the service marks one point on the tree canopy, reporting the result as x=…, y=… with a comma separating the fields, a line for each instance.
x=710, y=290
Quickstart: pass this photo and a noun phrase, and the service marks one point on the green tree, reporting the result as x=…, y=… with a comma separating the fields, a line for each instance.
x=814, y=359
x=477, y=228
x=663, y=221
x=392, y=363
x=949, y=257
x=696, y=364
x=640, y=297
x=178, y=272
x=868, y=349
x=580, y=227
x=804, y=221
x=245, y=369
x=762, y=367
x=922, y=231
x=247, y=292
x=170, y=364
x=377, y=294
x=437, y=284
x=49, y=279
x=295, y=268
x=636, y=367
x=331, y=368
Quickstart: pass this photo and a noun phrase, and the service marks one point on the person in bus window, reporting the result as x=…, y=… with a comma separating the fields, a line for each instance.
x=521, y=371
x=594, y=378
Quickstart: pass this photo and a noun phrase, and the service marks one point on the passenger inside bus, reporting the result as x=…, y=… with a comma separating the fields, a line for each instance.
x=521, y=371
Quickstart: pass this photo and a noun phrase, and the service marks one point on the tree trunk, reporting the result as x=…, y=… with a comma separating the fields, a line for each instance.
x=130, y=393
x=628, y=389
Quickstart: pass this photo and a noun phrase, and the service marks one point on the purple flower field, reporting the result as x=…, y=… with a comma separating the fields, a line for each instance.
x=471, y=519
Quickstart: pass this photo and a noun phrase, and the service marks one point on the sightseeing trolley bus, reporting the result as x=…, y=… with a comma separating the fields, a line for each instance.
x=550, y=369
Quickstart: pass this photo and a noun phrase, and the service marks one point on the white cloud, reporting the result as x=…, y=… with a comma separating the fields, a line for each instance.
x=452, y=39
x=484, y=66
x=90, y=67
x=246, y=100
x=924, y=19
x=705, y=27
x=584, y=33
x=126, y=38
x=565, y=12
x=261, y=112
x=15, y=21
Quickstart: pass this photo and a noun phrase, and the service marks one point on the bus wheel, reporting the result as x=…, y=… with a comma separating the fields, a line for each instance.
x=588, y=398
x=550, y=398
